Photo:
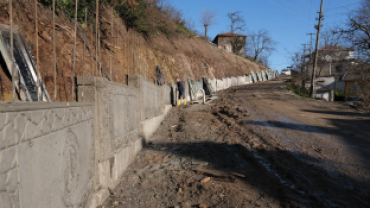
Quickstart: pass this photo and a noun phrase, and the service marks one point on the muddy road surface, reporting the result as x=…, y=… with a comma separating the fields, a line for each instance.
x=256, y=146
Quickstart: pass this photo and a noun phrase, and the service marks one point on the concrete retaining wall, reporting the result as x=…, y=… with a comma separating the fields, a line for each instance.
x=228, y=81
x=212, y=82
x=270, y=75
x=248, y=79
x=46, y=155
x=234, y=81
x=119, y=110
x=241, y=80
x=259, y=75
x=69, y=154
x=220, y=84
x=151, y=101
x=254, y=76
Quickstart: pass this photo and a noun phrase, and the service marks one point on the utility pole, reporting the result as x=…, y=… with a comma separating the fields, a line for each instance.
x=318, y=27
x=304, y=58
x=303, y=71
x=311, y=44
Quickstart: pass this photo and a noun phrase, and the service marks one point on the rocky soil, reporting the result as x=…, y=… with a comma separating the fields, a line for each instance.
x=122, y=51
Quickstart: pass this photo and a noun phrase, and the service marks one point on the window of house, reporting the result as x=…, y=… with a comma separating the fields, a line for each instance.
x=339, y=68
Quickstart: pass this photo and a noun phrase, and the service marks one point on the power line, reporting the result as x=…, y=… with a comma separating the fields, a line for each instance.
x=335, y=8
x=286, y=9
x=292, y=5
x=336, y=16
x=309, y=21
x=307, y=4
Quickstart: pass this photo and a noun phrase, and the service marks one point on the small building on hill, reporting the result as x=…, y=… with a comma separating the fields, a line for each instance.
x=231, y=42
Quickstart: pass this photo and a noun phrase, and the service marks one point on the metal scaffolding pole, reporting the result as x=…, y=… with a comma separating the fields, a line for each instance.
x=74, y=56
x=96, y=36
x=54, y=56
x=127, y=54
x=37, y=52
x=111, y=41
x=92, y=62
x=83, y=58
x=11, y=45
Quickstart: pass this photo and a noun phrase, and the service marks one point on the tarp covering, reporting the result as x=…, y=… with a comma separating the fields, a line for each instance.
x=159, y=76
x=207, y=86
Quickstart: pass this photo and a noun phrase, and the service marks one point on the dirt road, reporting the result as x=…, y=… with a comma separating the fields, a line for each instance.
x=256, y=146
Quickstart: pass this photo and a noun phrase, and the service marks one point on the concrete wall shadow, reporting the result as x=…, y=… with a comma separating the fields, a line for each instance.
x=289, y=177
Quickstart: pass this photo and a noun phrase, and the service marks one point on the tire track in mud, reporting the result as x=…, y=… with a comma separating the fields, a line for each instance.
x=256, y=145
x=319, y=169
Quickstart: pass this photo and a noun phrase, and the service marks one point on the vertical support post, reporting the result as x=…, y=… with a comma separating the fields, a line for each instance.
x=116, y=50
x=54, y=55
x=99, y=50
x=11, y=45
x=304, y=65
x=111, y=43
x=321, y=16
x=123, y=57
x=93, y=63
x=133, y=53
x=83, y=58
x=127, y=54
x=74, y=55
x=96, y=36
x=37, y=52
x=139, y=53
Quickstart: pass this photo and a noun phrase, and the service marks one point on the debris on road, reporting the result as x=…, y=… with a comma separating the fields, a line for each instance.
x=205, y=180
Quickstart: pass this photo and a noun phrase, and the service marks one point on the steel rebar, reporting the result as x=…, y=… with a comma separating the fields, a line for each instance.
x=37, y=52
x=74, y=55
x=96, y=36
x=111, y=41
x=11, y=45
x=54, y=56
x=83, y=59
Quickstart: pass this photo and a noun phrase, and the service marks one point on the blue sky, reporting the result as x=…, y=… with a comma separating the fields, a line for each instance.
x=288, y=21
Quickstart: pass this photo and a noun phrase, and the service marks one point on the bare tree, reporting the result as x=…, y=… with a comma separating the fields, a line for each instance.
x=237, y=24
x=207, y=18
x=359, y=26
x=358, y=32
x=260, y=44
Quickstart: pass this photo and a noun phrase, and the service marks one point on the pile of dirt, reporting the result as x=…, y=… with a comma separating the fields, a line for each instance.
x=122, y=52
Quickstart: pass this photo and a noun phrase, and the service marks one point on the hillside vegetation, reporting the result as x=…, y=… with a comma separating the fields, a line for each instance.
x=131, y=41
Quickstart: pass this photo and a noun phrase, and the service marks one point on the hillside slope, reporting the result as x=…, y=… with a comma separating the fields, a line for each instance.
x=122, y=52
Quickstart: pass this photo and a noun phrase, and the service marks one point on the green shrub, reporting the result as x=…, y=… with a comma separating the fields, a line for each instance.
x=184, y=30
x=298, y=90
x=146, y=17
x=339, y=93
x=134, y=17
x=290, y=80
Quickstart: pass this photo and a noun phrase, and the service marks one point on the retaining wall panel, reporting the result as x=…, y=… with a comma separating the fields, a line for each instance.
x=43, y=146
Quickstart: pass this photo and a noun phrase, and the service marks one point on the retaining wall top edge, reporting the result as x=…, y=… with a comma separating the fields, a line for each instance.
x=31, y=106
